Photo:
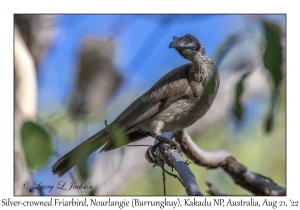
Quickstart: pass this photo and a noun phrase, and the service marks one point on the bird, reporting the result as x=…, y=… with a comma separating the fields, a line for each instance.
x=174, y=102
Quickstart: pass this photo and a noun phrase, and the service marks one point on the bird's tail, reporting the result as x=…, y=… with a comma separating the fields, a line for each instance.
x=80, y=153
x=83, y=150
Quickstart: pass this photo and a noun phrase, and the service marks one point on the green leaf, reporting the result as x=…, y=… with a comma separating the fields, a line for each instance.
x=273, y=62
x=120, y=139
x=83, y=169
x=92, y=192
x=273, y=53
x=226, y=46
x=269, y=122
x=36, y=143
x=81, y=158
x=238, y=108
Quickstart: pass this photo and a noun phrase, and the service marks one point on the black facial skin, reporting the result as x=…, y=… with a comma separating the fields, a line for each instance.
x=186, y=42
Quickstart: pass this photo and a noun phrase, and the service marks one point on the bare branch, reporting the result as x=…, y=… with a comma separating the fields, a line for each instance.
x=255, y=183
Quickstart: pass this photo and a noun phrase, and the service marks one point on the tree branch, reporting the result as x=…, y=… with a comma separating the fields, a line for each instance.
x=255, y=183
x=162, y=152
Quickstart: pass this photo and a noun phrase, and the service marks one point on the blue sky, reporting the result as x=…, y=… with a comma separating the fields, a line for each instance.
x=142, y=45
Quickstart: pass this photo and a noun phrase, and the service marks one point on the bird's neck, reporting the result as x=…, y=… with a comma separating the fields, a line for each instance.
x=200, y=67
x=201, y=72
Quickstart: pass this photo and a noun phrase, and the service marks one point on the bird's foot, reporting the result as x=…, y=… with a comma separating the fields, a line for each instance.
x=172, y=143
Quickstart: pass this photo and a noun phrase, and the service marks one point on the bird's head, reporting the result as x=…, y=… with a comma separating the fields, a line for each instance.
x=187, y=45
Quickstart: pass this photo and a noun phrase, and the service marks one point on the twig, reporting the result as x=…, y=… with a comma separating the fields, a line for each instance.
x=169, y=173
x=212, y=190
x=138, y=145
x=164, y=179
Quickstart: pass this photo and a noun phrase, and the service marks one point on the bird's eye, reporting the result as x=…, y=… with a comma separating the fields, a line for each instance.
x=190, y=39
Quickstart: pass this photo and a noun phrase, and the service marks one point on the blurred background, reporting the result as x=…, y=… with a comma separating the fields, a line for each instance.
x=73, y=72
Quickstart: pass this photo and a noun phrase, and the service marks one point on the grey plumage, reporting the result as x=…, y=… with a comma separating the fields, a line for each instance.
x=175, y=102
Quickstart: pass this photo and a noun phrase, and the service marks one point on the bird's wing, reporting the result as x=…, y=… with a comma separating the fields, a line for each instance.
x=164, y=92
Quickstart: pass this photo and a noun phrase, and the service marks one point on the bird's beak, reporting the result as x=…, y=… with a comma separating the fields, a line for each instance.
x=174, y=44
